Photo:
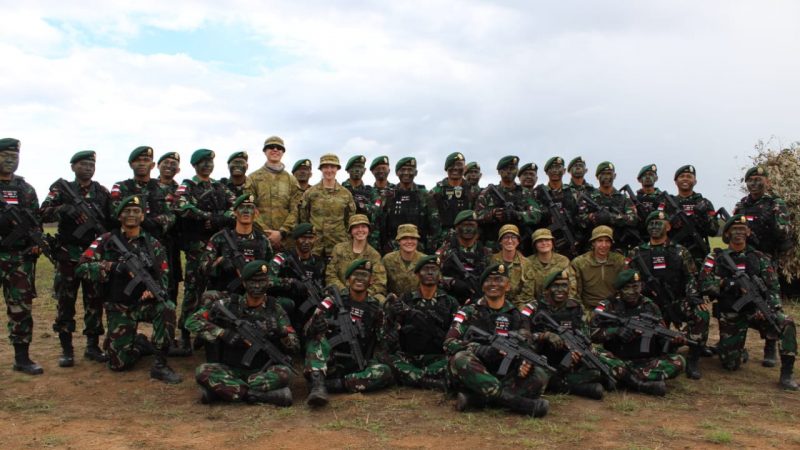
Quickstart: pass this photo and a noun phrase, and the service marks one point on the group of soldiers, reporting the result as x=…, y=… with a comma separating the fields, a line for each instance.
x=496, y=294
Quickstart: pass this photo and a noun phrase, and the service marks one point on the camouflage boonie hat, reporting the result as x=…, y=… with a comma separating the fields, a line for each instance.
x=542, y=233
x=242, y=154
x=91, y=155
x=625, y=277
x=140, y=151
x=253, y=268
x=407, y=161
x=329, y=159
x=553, y=276
x=200, y=155
x=131, y=200
x=407, y=230
x=466, y=214
x=737, y=219
x=360, y=263
x=357, y=219
x=452, y=158
x=575, y=160
x=494, y=269
x=355, y=159
x=274, y=140
x=9, y=145
x=378, y=161
x=301, y=163
x=553, y=160
x=602, y=231
x=244, y=198
x=645, y=169
x=302, y=229
x=507, y=228
x=758, y=170
x=506, y=161
x=605, y=165
x=655, y=215
x=684, y=169
x=529, y=166
x=473, y=166
x=170, y=155
x=425, y=260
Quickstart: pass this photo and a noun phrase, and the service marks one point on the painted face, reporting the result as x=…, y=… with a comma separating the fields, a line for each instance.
x=168, y=168
x=559, y=291
x=359, y=280
x=686, y=181
x=142, y=166
x=381, y=172
x=657, y=228
x=303, y=174
x=738, y=233
x=508, y=173
x=9, y=162
x=429, y=275
x=257, y=285
x=495, y=286
x=649, y=178
x=131, y=216
x=555, y=172
x=473, y=176
x=356, y=171
x=467, y=229
x=237, y=167
x=601, y=247
x=246, y=213
x=204, y=167
x=544, y=246
x=456, y=171
x=84, y=170
x=578, y=170
x=305, y=243
x=406, y=174
x=630, y=292
x=528, y=179
x=606, y=178
x=756, y=184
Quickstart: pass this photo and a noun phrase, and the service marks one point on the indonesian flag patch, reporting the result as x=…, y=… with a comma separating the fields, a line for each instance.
x=501, y=326
x=659, y=262
x=10, y=197
x=459, y=317
x=278, y=259
x=600, y=308
x=527, y=310
x=326, y=303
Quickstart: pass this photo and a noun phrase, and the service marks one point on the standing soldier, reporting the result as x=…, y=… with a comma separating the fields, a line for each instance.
x=528, y=176
x=364, y=195
x=204, y=205
x=649, y=198
x=463, y=258
x=168, y=167
x=237, y=167
x=399, y=264
x=17, y=257
x=594, y=271
x=452, y=195
x=473, y=175
x=111, y=258
x=545, y=261
x=560, y=209
x=520, y=272
x=380, y=170
x=76, y=232
x=696, y=210
x=407, y=203
x=608, y=206
x=577, y=172
x=302, y=172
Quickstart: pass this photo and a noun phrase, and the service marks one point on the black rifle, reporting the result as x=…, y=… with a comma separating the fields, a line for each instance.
x=312, y=286
x=93, y=218
x=137, y=268
x=648, y=326
x=469, y=276
x=256, y=338
x=559, y=222
x=576, y=342
x=663, y=296
x=348, y=332
x=25, y=226
x=724, y=215
x=631, y=195
x=688, y=227
x=628, y=232
x=754, y=292
x=236, y=258
x=511, y=347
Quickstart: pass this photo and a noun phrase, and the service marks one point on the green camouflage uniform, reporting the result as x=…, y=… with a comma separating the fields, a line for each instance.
x=769, y=222
x=172, y=241
x=625, y=221
x=449, y=201
x=159, y=218
x=400, y=275
x=542, y=270
x=594, y=281
x=329, y=211
x=400, y=206
x=341, y=257
x=277, y=198
x=647, y=203
x=365, y=198
x=252, y=246
x=521, y=277
x=527, y=210
x=701, y=212
x=237, y=189
x=286, y=293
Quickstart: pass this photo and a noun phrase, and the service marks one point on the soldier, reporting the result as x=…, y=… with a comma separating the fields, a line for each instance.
x=168, y=167
x=646, y=370
x=357, y=247
x=103, y=262
x=463, y=258
x=364, y=195
x=608, y=206
x=670, y=280
x=329, y=371
x=528, y=176
x=415, y=329
x=237, y=167
x=545, y=261
x=507, y=203
x=400, y=276
x=452, y=195
x=204, y=206
x=577, y=172
x=17, y=258
x=473, y=175
x=328, y=206
x=277, y=194
x=649, y=198
x=595, y=270
x=520, y=272
x=738, y=271
x=302, y=172
x=559, y=209
x=72, y=239
x=407, y=203
x=473, y=366
x=380, y=170
x=225, y=377
x=695, y=209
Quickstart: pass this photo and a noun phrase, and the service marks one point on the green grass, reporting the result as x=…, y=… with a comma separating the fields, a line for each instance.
x=719, y=437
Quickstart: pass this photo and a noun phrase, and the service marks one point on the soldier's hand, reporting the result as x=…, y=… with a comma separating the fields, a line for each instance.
x=499, y=214
x=576, y=357
x=396, y=307
x=217, y=261
x=36, y=250
x=627, y=334
x=487, y=353
x=759, y=316
x=524, y=369
x=107, y=266
x=318, y=325
x=147, y=295
x=233, y=338
x=679, y=340
x=553, y=339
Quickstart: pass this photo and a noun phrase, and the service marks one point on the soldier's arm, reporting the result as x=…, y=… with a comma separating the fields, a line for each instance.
x=532, y=214
x=770, y=278
x=200, y=321
x=453, y=342
x=51, y=204
x=295, y=198
x=160, y=262
x=629, y=217
x=209, y=256
x=782, y=219
x=602, y=331
x=90, y=265
x=187, y=206
x=709, y=282
x=705, y=219
x=289, y=341
x=434, y=224
x=692, y=287
x=484, y=207
x=528, y=281
x=304, y=211
x=575, y=282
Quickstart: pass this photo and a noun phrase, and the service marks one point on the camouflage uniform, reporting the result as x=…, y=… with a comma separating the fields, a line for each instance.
x=769, y=222
x=594, y=280
x=171, y=241
x=284, y=290
x=277, y=198
x=527, y=210
x=236, y=189
x=647, y=203
x=565, y=199
x=541, y=270
x=625, y=221
x=449, y=201
x=521, y=276
x=329, y=211
x=474, y=259
x=343, y=255
x=701, y=212
x=159, y=218
x=399, y=206
x=253, y=246
x=400, y=275
x=364, y=196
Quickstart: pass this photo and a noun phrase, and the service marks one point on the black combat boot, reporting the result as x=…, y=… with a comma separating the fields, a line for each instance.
x=317, y=392
x=93, y=351
x=207, y=396
x=693, y=363
x=23, y=363
x=536, y=407
x=161, y=371
x=277, y=397
x=67, y=358
x=185, y=346
x=657, y=388
x=434, y=384
x=144, y=345
x=588, y=390
x=770, y=353
x=335, y=385
x=787, y=368
x=468, y=400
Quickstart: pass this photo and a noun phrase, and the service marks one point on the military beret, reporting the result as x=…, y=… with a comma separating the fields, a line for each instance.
x=254, y=268
x=553, y=160
x=302, y=229
x=171, y=155
x=473, y=166
x=82, y=155
x=553, y=276
x=506, y=161
x=508, y=228
x=300, y=163
x=656, y=215
x=740, y=219
x=358, y=219
x=407, y=161
x=466, y=214
x=140, y=151
x=684, y=169
x=329, y=159
x=244, y=198
x=428, y=259
x=647, y=168
x=200, y=155
x=625, y=277
x=758, y=170
x=452, y=158
x=131, y=200
x=355, y=159
x=605, y=165
x=276, y=141
x=242, y=154
x=9, y=144
x=378, y=161
x=542, y=233
x=494, y=269
x=360, y=263
x=575, y=160
x=602, y=231
x=529, y=166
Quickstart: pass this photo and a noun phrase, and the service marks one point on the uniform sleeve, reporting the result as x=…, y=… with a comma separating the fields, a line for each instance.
x=160, y=254
x=289, y=341
x=295, y=198
x=576, y=282
x=51, y=205
x=532, y=214
x=200, y=321
x=454, y=340
x=210, y=254
x=602, y=331
x=709, y=281
x=692, y=291
x=90, y=263
x=484, y=206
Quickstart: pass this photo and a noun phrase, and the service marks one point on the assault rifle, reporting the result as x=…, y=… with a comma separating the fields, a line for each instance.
x=631, y=195
x=236, y=258
x=348, y=332
x=137, y=268
x=312, y=286
x=648, y=326
x=688, y=227
x=511, y=347
x=754, y=292
x=25, y=226
x=93, y=218
x=559, y=222
x=630, y=235
x=724, y=215
x=508, y=207
x=664, y=298
x=256, y=338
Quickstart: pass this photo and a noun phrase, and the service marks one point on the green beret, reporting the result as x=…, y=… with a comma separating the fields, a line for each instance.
x=605, y=165
x=758, y=170
x=528, y=166
x=355, y=159
x=379, y=160
x=131, y=200
x=140, y=151
x=553, y=160
x=684, y=169
x=171, y=155
x=574, y=161
x=200, y=155
x=625, y=277
x=360, y=263
x=407, y=161
x=452, y=158
x=647, y=168
x=9, y=144
x=553, y=276
x=302, y=229
x=254, y=268
x=466, y=214
x=473, y=166
x=244, y=198
x=242, y=154
x=498, y=269
x=300, y=163
x=506, y=161
x=429, y=259
x=736, y=218
x=659, y=215
x=83, y=154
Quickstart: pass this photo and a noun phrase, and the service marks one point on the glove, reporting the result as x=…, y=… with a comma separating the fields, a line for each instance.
x=553, y=339
x=487, y=353
x=272, y=328
x=298, y=288
x=731, y=288
x=626, y=334
x=232, y=338
x=396, y=307
x=318, y=326
x=68, y=212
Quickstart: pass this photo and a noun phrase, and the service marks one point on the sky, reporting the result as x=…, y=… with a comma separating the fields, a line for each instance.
x=635, y=83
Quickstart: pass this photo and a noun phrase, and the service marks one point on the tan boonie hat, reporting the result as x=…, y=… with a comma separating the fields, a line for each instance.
x=542, y=233
x=507, y=228
x=274, y=140
x=329, y=158
x=602, y=231
x=357, y=219
x=407, y=230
